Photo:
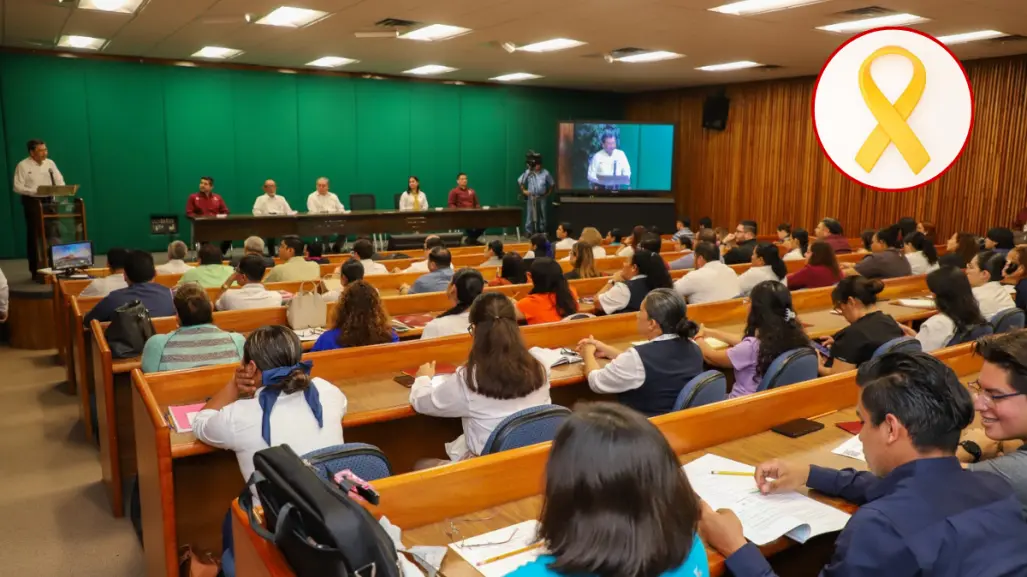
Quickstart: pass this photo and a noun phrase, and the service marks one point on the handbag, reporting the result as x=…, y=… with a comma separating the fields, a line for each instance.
x=129, y=330
x=306, y=310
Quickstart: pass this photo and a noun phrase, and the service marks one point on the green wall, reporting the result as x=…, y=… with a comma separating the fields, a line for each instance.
x=137, y=137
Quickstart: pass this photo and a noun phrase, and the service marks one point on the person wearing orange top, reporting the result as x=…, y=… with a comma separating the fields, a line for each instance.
x=551, y=299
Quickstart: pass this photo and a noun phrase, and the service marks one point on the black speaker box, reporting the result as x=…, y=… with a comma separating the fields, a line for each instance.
x=714, y=112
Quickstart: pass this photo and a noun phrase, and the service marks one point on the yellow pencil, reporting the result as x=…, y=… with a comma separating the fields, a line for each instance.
x=733, y=473
x=510, y=553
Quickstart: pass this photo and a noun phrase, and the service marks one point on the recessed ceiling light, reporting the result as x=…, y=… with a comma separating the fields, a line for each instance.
x=970, y=36
x=82, y=42
x=122, y=6
x=292, y=17
x=516, y=77
x=217, y=52
x=429, y=69
x=435, y=32
x=654, y=56
x=729, y=66
x=877, y=22
x=759, y=6
x=331, y=62
x=551, y=45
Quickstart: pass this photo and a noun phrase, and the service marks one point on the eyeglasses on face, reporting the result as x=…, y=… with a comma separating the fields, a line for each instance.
x=989, y=398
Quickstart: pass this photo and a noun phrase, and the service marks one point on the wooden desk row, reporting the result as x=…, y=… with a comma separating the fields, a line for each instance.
x=185, y=484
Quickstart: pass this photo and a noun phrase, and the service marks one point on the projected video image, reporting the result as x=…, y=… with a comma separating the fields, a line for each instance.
x=76, y=255
x=614, y=157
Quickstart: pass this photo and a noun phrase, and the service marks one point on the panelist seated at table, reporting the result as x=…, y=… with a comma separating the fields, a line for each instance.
x=249, y=276
x=360, y=320
x=177, y=252
x=466, y=285
x=643, y=272
x=464, y=197
x=648, y=377
x=440, y=273
x=139, y=272
x=196, y=342
x=501, y=377
x=919, y=512
x=294, y=267
x=211, y=272
x=551, y=299
x=323, y=201
x=430, y=242
x=207, y=203
x=363, y=251
x=413, y=198
x=348, y=272
x=271, y=203
x=102, y=286
x=869, y=328
x=616, y=498
x=958, y=313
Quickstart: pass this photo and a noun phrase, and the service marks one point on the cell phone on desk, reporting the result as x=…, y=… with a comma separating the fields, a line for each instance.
x=797, y=428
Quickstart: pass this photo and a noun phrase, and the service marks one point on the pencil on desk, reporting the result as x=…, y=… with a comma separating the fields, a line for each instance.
x=733, y=473
x=510, y=553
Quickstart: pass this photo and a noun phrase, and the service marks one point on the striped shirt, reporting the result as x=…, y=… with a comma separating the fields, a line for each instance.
x=190, y=347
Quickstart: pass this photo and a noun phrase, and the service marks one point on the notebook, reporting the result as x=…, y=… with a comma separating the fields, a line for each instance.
x=717, y=344
x=852, y=448
x=414, y=321
x=479, y=550
x=556, y=357
x=181, y=417
x=917, y=303
x=307, y=335
x=764, y=518
x=440, y=369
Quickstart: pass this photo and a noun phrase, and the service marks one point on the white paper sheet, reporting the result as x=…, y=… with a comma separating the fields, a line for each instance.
x=852, y=448
x=508, y=539
x=918, y=303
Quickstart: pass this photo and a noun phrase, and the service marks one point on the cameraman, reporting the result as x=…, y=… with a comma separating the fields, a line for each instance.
x=536, y=184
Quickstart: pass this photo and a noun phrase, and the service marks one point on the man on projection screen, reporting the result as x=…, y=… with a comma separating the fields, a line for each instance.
x=609, y=168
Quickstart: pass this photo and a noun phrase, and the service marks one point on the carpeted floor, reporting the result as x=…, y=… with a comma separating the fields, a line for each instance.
x=54, y=513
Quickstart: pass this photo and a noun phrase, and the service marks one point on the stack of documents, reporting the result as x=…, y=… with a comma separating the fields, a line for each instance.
x=181, y=417
x=500, y=552
x=556, y=357
x=917, y=303
x=307, y=335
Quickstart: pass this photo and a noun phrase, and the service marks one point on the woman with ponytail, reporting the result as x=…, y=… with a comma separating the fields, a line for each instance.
x=648, y=377
x=643, y=272
x=500, y=378
x=766, y=265
x=855, y=298
x=466, y=285
x=920, y=252
x=772, y=328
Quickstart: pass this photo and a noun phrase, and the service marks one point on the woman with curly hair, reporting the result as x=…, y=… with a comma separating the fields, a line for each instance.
x=771, y=329
x=360, y=320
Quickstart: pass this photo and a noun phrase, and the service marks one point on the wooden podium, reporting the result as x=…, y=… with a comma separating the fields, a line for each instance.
x=55, y=207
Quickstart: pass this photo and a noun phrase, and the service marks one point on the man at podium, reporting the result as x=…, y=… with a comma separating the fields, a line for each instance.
x=207, y=203
x=609, y=168
x=31, y=173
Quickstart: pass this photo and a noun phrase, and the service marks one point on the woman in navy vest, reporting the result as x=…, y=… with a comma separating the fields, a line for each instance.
x=643, y=272
x=648, y=377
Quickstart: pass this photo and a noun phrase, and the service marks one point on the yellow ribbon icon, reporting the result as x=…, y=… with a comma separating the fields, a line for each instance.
x=891, y=118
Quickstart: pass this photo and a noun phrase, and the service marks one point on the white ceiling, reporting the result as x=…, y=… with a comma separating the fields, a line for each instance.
x=177, y=28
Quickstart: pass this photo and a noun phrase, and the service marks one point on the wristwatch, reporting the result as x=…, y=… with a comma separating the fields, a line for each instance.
x=973, y=449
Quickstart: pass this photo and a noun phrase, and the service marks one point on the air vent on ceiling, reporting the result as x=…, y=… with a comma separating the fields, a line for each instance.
x=1008, y=39
x=867, y=12
x=395, y=23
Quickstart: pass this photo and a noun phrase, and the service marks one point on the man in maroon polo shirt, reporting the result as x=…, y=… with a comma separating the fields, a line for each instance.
x=463, y=197
x=207, y=203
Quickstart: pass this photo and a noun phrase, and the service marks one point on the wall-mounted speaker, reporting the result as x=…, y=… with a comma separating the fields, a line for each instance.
x=714, y=112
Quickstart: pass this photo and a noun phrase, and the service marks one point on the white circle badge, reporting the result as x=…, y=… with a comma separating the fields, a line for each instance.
x=892, y=109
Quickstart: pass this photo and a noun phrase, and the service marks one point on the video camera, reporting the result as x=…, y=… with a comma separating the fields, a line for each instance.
x=532, y=159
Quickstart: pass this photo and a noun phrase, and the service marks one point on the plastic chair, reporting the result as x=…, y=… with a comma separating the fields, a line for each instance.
x=527, y=427
x=971, y=335
x=899, y=345
x=365, y=461
x=1008, y=320
x=705, y=388
x=790, y=367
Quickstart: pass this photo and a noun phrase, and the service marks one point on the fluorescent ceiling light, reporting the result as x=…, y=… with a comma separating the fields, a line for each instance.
x=729, y=66
x=868, y=23
x=970, y=36
x=516, y=77
x=292, y=17
x=759, y=6
x=551, y=45
x=331, y=62
x=435, y=32
x=429, y=69
x=122, y=6
x=654, y=56
x=83, y=42
x=217, y=52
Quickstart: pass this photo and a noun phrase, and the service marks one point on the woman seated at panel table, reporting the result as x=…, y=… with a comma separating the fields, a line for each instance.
x=466, y=285
x=644, y=271
x=797, y=244
x=920, y=252
x=583, y=260
x=500, y=378
x=985, y=275
x=628, y=508
x=360, y=320
x=511, y=272
x=772, y=328
x=197, y=342
x=766, y=265
x=821, y=269
x=869, y=328
x=413, y=198
x=648, y=377
x=958, y=313
x=551, y=298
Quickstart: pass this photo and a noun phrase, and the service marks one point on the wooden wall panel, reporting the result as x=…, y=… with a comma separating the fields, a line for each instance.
x=768, y=166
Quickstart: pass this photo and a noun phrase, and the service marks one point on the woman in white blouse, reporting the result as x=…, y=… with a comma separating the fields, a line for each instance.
x=494, y=253
x=413, y=198
x=466, y=285
x=766, y=265
x=984, y=273
x=798, y=245
x=958, y=312
x=500, y=378
x=920, y=252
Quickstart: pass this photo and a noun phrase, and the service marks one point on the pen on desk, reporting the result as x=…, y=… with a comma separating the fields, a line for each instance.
x=733, y=473
x=511, y=553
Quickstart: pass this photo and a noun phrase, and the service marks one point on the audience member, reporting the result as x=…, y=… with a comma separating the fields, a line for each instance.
x=926, y=228
x=628, y=509
x=867, y=236
x=254, y=245
x=771, y=329
x=440, y=267
x=830, y=231
x=348, y=273
x=999, y=240
x=652, y=242
x=644, y=272
x=711, y=280
x=197, y=341
x=766, y=265
x=294, y=267
x=591, y=235
x=540, y=246
x=177, y=251
x=139, y=273
x=251, y=294
x=1015, y=275
x=551, y=298
x=613, y=237
x=494, y=253
x=920, y=252
x=315, y=253
x=5, y=297
x=633, y=243
x=856, y=298
x=583, y=261
x=564, y=236
x=211, y=272
x=512, y=272
x=907, y=226
x=958, y=313
x=797, y=245
x=821, y=269
x=740, y=245
x=784, y=232
x=683, y=230
x=501, y=377
x=363, y=251
x=962, y=248
x=985, y=273
x=430, y=242
x=360, y=320
x=705, y=223
x=466, y=285
x=920, y=513
x=648, y=377
x=885, y=261
x=102, y=286
x=688, y=261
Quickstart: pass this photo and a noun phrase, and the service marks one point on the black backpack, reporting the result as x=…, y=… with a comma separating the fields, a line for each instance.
x=320, y=530
x=129, y=330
